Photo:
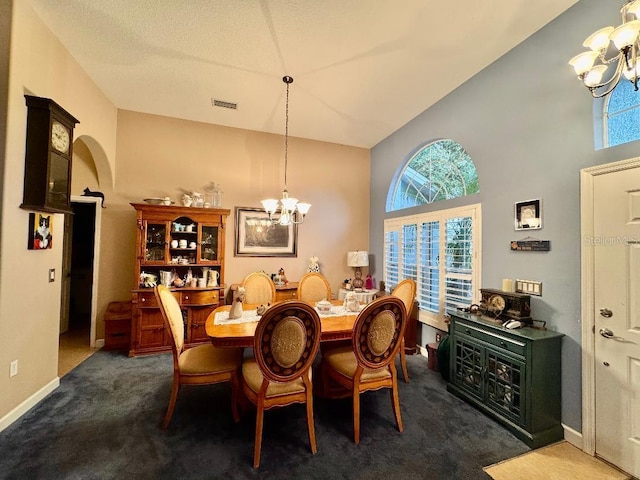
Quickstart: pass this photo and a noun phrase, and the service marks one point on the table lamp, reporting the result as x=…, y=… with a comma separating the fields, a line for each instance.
x=356, y=260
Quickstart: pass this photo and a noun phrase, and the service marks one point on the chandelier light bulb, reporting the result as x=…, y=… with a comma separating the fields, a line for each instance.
x=634, y=8
x=583, y=62
x=599, y=40
x=626, y=34
x=594, y=76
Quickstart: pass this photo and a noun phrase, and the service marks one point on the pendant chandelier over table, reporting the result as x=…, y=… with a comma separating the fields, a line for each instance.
x=290, y=210
x=618, y=47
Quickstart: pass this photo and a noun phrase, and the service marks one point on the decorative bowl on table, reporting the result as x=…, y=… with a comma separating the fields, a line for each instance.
x=324, y=306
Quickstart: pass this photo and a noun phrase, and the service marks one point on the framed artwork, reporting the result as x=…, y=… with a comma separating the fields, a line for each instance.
x=40, y=231
x=528, y=215
x=257, y=236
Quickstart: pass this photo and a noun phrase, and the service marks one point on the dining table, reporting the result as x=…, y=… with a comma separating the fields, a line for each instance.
x=225, y=332
x=335, y=325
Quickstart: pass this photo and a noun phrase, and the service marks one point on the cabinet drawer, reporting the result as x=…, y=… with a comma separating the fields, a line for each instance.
x=288, y=294
x=493, y=338
x=147, y=300
x=207, y=297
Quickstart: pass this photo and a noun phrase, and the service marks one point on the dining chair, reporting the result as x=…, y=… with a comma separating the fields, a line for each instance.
x=313, y=287
x=285, y=345
x=405, y=291
x=368, y=363
x=199, y=365
x=259, y=289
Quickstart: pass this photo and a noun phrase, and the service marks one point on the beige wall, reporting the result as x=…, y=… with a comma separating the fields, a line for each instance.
x=29, y=304
x=160, y=156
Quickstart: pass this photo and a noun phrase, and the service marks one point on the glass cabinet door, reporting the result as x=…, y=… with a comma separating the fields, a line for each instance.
x=505, y=385
x=469, y=367
x=58, y=191
x=155, y=246
x=209, y=243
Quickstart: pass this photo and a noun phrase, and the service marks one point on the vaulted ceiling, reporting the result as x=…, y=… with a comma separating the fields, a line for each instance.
x=361, y=68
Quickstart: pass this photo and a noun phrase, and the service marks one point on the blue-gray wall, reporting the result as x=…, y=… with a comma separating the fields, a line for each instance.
x=527, y=123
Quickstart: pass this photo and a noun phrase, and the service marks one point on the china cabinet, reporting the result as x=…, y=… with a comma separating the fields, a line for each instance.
x=182, y=247
x=511, y=375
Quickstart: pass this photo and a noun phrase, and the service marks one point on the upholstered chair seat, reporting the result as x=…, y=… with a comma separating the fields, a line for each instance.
x=253, y=379
x=343, y=361
x=203, y=359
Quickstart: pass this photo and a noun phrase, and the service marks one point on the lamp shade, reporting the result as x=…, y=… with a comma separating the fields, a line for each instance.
x=358, y=259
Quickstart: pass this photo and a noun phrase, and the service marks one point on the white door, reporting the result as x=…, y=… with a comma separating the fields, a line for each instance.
x=616, y=243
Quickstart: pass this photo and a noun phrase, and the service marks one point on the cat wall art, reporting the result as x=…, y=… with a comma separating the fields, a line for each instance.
x=40, y=231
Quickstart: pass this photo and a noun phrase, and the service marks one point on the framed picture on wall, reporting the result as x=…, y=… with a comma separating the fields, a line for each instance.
x=257, y=236
x=40, y=231
x=528, y=215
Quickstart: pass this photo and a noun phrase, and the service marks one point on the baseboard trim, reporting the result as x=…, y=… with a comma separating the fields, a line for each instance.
x=573, y=436
x=99, y=342
x=28, y=404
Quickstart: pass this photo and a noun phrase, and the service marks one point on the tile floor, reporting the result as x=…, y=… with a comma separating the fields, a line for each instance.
x=74, y=349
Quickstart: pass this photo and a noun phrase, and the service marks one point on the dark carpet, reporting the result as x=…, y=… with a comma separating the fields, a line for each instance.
x=103, y=423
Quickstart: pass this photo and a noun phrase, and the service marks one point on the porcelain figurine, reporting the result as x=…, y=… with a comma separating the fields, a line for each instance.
x=351, y=303
x=198, y=199
x=236, y=308
x=313, y=265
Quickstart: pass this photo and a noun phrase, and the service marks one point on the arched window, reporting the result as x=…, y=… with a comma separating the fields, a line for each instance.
x=438, y=171
x=621, y=115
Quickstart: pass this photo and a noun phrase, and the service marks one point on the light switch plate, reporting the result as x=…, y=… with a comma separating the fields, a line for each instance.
x=529, y=287
x=52, y=275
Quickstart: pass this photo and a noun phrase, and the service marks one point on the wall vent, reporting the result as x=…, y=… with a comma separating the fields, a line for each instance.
x=223, y=104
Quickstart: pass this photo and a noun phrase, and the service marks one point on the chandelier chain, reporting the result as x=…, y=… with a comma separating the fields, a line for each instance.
x=286, y=134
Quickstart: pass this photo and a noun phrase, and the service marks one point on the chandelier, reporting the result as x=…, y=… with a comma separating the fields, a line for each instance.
x=291, y=211
x=592, y=67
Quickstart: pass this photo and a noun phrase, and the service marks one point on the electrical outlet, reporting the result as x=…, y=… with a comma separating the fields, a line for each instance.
x=438, y=337
x=13, y=370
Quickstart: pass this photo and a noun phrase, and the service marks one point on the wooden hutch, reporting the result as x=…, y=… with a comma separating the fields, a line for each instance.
x=175, y=239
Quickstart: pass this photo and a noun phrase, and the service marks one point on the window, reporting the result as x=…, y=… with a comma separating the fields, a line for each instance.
x=438, y=171
x=621, y=115
x=441, y=252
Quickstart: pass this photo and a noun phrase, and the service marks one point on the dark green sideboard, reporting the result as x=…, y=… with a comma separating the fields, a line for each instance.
x=511, y=375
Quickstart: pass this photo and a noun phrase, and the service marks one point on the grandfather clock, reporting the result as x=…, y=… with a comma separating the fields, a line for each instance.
x=47, y=168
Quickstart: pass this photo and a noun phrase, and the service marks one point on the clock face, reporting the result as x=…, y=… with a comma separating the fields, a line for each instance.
x=60, y=137
x=497, y=303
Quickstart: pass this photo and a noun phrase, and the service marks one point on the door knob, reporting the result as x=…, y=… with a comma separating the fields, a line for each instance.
x=606, y=333
x=606, y=313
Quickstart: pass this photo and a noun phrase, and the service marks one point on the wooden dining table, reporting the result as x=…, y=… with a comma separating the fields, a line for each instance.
x=335, y=327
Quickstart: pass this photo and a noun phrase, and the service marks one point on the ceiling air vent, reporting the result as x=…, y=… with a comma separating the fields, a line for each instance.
x=223, y=104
